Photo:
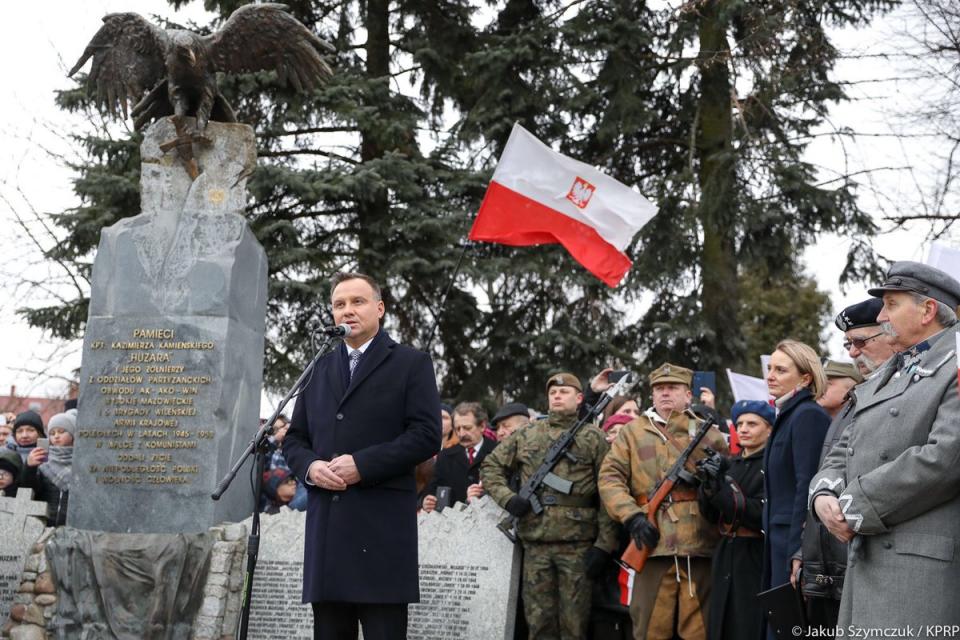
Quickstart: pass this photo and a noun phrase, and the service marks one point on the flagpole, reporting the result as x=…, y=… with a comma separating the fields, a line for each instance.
x=443, y=300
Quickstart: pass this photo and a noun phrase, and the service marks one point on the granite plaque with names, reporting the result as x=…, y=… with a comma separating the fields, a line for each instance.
x=469, y=575
x=20, y=527
x=173, y=351
x=275, y=607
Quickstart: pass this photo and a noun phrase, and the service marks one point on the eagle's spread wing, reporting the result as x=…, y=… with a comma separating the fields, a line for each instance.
x=264, y=37
x=128, y=59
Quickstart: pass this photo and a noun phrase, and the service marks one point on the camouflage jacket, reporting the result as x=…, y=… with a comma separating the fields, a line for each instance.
x=638, y=459
x=523, y=452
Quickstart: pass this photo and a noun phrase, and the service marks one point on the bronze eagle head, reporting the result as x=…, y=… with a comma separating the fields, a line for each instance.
x=173, y=71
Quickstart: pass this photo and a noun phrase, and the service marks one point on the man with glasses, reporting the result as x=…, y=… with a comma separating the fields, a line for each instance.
x=864, y=338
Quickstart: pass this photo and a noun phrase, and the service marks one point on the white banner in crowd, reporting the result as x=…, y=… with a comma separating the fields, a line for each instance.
x=765, y=365
x=746, y=387
x=945, y=258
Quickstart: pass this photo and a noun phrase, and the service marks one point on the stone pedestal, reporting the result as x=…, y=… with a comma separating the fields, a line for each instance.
x=173, y=352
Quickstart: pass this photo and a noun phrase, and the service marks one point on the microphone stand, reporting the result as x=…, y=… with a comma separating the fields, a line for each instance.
x=258, y=449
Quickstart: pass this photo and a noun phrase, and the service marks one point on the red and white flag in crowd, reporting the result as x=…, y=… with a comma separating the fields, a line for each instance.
x=625, y=580
x=539, y=196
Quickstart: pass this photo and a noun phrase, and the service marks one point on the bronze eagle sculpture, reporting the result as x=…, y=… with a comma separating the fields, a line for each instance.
x=173, y=71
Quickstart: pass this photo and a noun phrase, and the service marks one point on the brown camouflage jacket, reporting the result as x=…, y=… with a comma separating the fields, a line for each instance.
x=523, y=452
x=638, y=459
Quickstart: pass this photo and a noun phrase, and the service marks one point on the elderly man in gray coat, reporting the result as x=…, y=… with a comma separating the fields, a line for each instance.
x=891, y=485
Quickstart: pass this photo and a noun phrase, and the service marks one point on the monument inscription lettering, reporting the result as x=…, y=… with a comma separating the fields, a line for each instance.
x=279, y=581
x=467, y=592
x=146, y=405
x=173, y=351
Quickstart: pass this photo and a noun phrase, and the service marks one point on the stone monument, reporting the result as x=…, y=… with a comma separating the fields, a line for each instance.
x=275, y=607
x=173, y=351
x=19, y=530
x=469, y=575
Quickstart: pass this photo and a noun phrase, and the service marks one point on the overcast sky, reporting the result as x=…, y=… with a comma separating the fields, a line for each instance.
x=40, y=40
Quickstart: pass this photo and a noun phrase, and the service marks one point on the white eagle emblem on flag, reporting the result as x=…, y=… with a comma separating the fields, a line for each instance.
x=581, y=192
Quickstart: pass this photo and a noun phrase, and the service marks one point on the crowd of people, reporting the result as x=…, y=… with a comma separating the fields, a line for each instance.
x=39, y=458
x=846, y=460
x=843, y=488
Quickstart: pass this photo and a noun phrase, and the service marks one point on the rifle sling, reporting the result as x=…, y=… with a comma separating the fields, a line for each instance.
x=677, y=495
x=677, y=445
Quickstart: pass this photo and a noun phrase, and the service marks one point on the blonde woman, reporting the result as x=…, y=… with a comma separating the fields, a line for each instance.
x=796, y=380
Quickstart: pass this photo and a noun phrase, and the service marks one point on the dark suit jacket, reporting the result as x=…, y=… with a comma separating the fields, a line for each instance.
x=790, y=460
x=452, y=470
x=361, y=543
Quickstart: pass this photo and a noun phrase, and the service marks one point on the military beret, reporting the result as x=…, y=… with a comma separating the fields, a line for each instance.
x=564, y=380
x=671, y=373
x=862, y=314
x=28, y=418
x=920, y=278
x=757, y=407
x=615, y=419
x=835, y=369
x=510, y=409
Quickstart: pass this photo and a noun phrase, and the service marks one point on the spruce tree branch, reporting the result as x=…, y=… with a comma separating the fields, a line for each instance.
x=306, y=152
x=307, y=131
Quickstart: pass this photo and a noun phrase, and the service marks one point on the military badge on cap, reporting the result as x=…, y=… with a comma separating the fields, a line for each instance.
x=564, y=380
x=671, y=373
x=862, y=314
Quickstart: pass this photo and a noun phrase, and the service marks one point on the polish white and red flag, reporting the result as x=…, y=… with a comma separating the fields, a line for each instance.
x=539, y=196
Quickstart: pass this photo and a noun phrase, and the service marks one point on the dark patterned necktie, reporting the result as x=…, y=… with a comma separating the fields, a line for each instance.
x=354, y=360
x=470, y=456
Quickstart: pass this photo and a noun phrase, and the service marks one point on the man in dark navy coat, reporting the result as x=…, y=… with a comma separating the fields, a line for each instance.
x=368, y=415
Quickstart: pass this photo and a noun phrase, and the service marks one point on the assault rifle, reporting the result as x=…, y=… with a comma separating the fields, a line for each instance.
x=636, y=557
x=544, y=474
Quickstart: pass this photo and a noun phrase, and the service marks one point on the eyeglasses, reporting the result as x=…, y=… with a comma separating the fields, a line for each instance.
x=860, y=343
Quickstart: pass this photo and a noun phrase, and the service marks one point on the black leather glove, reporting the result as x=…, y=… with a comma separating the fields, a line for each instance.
x=714, y=470
x=643, y=532
x=714, y=467
x=517, y=506
x=595, y=562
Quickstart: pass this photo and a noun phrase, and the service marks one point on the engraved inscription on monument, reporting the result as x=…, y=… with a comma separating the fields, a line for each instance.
x=275, y=607
x=467, y=591
x=149, y=409
x=20, y=527
x=173, y=351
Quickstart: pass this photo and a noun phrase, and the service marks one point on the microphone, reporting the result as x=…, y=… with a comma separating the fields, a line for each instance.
x=339, y=331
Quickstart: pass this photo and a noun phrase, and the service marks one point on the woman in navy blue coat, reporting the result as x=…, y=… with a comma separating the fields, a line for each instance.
x=792, y=455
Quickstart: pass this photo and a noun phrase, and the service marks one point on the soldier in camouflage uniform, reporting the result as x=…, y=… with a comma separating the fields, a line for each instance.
x=571, y=541
x=671, y=594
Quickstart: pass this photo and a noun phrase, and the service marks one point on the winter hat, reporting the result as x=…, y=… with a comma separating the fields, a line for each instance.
x=757, y=407
x=617, y=418
x=10, y=461
x=29, y=418
x=273, y=479
x=66, y=421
